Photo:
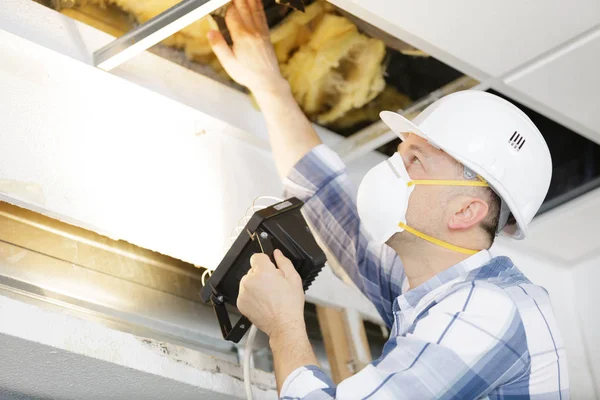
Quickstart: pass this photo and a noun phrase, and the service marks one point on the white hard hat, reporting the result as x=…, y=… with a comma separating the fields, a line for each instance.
x=493, y=138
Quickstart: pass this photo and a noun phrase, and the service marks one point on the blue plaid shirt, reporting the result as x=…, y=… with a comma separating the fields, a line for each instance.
x=479, y=329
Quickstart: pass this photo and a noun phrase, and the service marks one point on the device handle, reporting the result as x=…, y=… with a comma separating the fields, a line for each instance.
x=234, y=333
x=239, y=330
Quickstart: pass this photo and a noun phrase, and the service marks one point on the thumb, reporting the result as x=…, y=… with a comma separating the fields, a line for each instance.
x=284, y=264
x=222, y=51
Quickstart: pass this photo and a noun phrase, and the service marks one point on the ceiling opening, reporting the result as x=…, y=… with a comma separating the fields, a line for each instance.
x=361, y=70
x=368, y=71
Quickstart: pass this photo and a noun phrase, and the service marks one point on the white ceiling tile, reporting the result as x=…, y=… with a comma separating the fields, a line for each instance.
x=489, y=35
x=567, y=82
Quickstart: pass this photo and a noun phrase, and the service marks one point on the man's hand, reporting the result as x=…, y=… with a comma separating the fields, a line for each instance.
x=272, y=298
x=252, y=61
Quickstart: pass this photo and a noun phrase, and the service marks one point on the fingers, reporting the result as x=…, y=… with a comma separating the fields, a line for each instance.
x=243, y=10
x=285, y=265
x=251, y=14
x=244, y=279
x=235, y=24
x=258, y=15
x=260, y=262
x=222, y=50
x=241, y=299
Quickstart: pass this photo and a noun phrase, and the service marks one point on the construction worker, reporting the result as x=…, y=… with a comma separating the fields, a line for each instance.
x=463, y=324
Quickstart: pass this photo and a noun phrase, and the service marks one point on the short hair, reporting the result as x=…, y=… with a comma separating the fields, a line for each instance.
x=490, y=223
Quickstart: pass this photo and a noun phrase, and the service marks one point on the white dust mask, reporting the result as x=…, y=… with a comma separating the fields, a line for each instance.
x=383, y=198
x=383, y=201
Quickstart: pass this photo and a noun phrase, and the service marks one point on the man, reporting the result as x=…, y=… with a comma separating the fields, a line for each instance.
x=463, y=324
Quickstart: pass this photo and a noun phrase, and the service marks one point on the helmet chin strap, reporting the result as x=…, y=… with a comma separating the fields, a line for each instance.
x=438, y=242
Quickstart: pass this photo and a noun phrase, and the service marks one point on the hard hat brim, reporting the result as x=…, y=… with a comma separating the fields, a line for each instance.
x=402, y=126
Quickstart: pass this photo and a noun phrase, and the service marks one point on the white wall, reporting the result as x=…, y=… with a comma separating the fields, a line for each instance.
x=585, y=277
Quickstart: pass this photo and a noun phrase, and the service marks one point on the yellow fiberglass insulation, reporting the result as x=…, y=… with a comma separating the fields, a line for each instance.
x=295, y=30
x=337, y=70
x=332, y=67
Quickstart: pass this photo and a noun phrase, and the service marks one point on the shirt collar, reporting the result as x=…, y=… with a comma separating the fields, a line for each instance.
x=475, y=261
x=412, y=297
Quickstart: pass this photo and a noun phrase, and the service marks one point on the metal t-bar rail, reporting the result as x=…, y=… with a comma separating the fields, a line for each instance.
x=153, y=31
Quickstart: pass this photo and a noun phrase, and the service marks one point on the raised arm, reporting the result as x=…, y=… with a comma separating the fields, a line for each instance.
x=311, y=171
x=252, y=63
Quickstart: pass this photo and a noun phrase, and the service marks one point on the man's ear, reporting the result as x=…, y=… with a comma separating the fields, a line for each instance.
x=470, y=213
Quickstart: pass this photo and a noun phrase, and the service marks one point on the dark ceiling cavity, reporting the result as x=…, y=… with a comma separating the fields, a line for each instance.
x=575, y=159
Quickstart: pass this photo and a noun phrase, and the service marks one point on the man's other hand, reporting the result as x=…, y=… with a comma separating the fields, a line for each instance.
x=252, y=61
x=272, y=298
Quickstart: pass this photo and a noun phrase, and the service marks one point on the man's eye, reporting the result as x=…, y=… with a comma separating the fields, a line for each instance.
x=416, y=161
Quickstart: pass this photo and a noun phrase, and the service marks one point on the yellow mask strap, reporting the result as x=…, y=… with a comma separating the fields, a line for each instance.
x=437, y=241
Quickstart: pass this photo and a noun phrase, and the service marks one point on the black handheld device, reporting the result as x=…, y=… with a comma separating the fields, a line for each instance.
x=280, y=226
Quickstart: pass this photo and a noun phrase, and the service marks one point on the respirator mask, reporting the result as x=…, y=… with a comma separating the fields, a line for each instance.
x=383, y=201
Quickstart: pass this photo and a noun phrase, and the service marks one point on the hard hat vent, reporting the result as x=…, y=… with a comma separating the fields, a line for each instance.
x=516, y=141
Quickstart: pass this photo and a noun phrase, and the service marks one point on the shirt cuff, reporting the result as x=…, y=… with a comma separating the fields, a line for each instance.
x=306, y=380
x=313, y=172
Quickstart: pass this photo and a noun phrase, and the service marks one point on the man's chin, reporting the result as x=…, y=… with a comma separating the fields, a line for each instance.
x=399, y=240
x=390, y=242
x=395, y=240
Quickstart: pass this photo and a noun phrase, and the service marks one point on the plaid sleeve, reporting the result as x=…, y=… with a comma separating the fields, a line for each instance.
x=456, y=349
x=320, y=180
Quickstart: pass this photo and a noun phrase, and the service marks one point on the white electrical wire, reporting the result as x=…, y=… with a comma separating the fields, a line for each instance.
x=273, y=198
x=247, y=358
x=204, y=274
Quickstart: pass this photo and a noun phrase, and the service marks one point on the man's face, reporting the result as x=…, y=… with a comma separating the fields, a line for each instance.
x=429, y=207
